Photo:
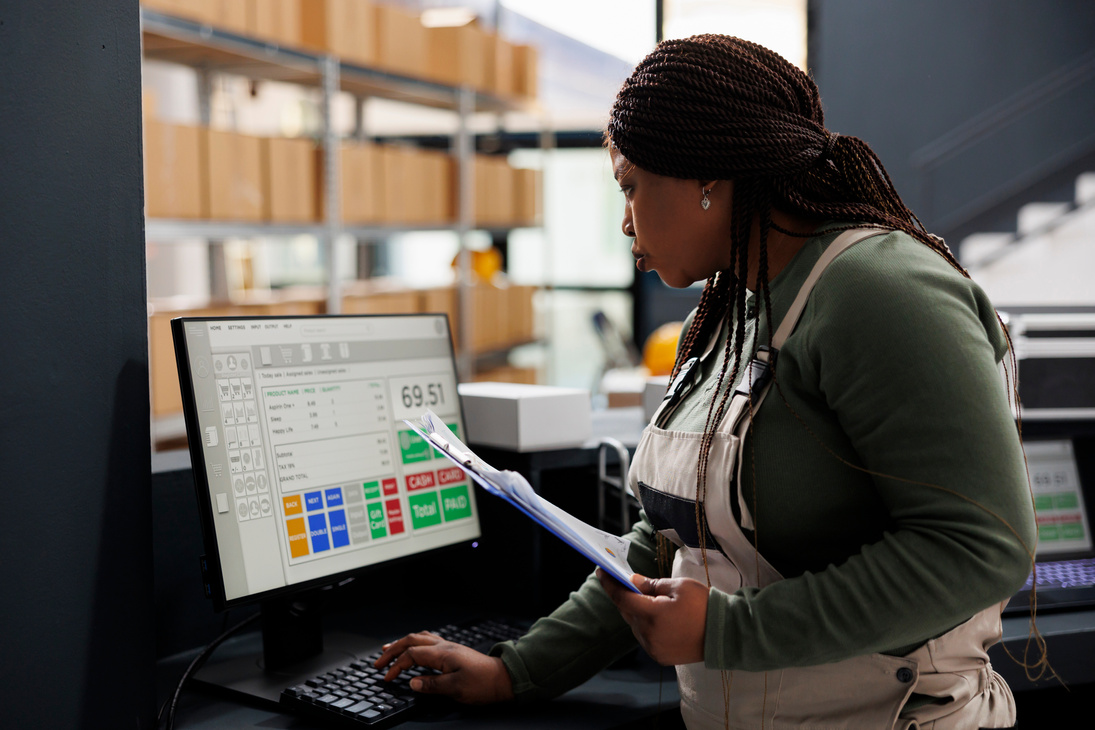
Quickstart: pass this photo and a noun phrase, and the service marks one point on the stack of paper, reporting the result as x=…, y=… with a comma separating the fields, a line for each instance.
x=606, y=550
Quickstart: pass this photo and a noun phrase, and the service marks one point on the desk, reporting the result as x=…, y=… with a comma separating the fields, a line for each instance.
x=632, y=695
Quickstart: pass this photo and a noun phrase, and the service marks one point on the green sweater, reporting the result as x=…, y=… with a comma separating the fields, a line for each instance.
x=894, y=367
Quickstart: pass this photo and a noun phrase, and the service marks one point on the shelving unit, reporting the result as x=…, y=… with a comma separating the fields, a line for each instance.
x=210, y=50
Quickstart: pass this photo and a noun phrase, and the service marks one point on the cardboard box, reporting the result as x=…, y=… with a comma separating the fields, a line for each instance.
x=526, y=417
x=174, y=185
x=456, y=55
x=278, y=21
x=377, y=296
x=344, y=28
x=508, y=374
x=289, y=175
x=234, y=16
x=521, y=319
x=400, y=41
x=526, y=196
x=494, y=191
x=435, y=175
x=361, y=192
x=500, y=74
x=526, y=71
x=233, y=175
x=490, y=318
x=442, y=300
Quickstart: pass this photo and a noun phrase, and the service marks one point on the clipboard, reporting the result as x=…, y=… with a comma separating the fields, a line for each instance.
x=608, y=551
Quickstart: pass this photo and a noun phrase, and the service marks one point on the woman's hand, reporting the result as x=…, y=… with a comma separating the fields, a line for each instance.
x=669, y=617
x=466, y=675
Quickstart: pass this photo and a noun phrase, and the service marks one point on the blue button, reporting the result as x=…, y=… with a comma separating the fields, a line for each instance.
x=340, y=535
x=317, y=528
x=334, y=497
x=313, y=501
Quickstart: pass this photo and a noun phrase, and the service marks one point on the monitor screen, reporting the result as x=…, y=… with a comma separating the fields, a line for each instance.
x=1063, y=523
x=304, y=469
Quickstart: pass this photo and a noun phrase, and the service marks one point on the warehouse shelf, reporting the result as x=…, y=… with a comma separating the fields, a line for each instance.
x=213, y=51
x=168, y=229
x=190, y=43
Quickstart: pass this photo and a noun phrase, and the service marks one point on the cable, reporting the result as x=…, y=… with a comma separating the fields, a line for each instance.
x=172, y=704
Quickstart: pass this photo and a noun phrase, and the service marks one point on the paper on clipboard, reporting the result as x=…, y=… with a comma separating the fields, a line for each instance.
x=605, y=549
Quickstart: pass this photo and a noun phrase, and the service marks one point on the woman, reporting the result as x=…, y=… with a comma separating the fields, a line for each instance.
x=846, y=524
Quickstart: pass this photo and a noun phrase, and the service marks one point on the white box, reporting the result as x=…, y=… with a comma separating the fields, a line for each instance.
x=526, y=417
x=653, y=394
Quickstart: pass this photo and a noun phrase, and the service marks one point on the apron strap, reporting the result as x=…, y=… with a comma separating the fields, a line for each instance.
x=843, y=242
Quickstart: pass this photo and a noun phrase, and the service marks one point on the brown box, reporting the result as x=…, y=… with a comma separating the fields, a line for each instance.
x=377, y=296
x=404, y=182
x=400, y=41
x=173, y=175
x=443, y=300
x=362, y=193
x=500, y=74
x=521, y=320
x=234, y=16
x=526, y=196
x=289, y=175
x=494, y=191
x=456, y=55
x=233, y=174
x=344, y=28
x=490, y=324
x=277, y=21
x=525, y=71
x=437, y=180
x=507, y=374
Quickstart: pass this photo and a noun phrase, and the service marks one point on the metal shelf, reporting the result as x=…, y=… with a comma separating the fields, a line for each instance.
x=211, y=50
x=165, y=230
x=189, y=43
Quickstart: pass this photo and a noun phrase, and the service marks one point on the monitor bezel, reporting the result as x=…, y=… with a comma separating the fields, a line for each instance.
x=212, y=574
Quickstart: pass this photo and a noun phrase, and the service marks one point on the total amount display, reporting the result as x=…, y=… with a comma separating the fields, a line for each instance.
x=414, y=396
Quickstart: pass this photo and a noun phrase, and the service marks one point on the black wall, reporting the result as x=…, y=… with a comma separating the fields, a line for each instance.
x=76, y=631
x=900, y=75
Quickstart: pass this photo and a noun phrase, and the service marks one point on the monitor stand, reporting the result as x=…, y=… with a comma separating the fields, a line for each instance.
x=294, y=649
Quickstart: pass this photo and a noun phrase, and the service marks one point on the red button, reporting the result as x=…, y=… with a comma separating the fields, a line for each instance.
x=420, y=481
x=395, y=516
x=450, y=476
x=390, y=487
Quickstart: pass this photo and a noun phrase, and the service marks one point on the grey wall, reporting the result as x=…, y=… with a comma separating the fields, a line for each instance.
x=902, y=74
x=75, y=575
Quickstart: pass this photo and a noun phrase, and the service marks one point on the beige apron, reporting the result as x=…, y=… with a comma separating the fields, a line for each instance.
x=862, y=692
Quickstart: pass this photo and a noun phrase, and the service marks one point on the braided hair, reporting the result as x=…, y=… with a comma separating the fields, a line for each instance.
x=714, y=107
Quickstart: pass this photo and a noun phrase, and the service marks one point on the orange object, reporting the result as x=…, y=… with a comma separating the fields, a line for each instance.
x=485, y=264
x=660, y=348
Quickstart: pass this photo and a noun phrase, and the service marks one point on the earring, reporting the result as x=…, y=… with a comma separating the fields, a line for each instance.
x=705, y=203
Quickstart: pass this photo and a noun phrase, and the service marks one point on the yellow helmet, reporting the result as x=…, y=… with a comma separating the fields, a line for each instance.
x=660, y=348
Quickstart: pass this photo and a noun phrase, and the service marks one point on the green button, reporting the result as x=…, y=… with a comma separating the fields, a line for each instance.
x=1066, y=500
x=1072, y=530
x=413, y=447
x=424, y=510
x=377, y=526
x=1042, y=502
x=1048, y=533
x=455, y=503
x=372, y=490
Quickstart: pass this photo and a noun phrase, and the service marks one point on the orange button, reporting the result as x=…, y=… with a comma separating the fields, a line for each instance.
x=298, y=536
x=292, y=504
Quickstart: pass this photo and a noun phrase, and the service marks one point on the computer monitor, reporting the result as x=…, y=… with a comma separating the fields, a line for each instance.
x=1064, y=527
x=304, y=471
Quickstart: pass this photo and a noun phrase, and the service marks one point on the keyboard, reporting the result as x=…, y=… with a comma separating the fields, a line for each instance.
x=1065, y=573
x=356, y=695
x=1062, y=585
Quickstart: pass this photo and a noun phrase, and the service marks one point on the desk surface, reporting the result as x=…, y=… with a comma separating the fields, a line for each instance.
x=632, y=694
